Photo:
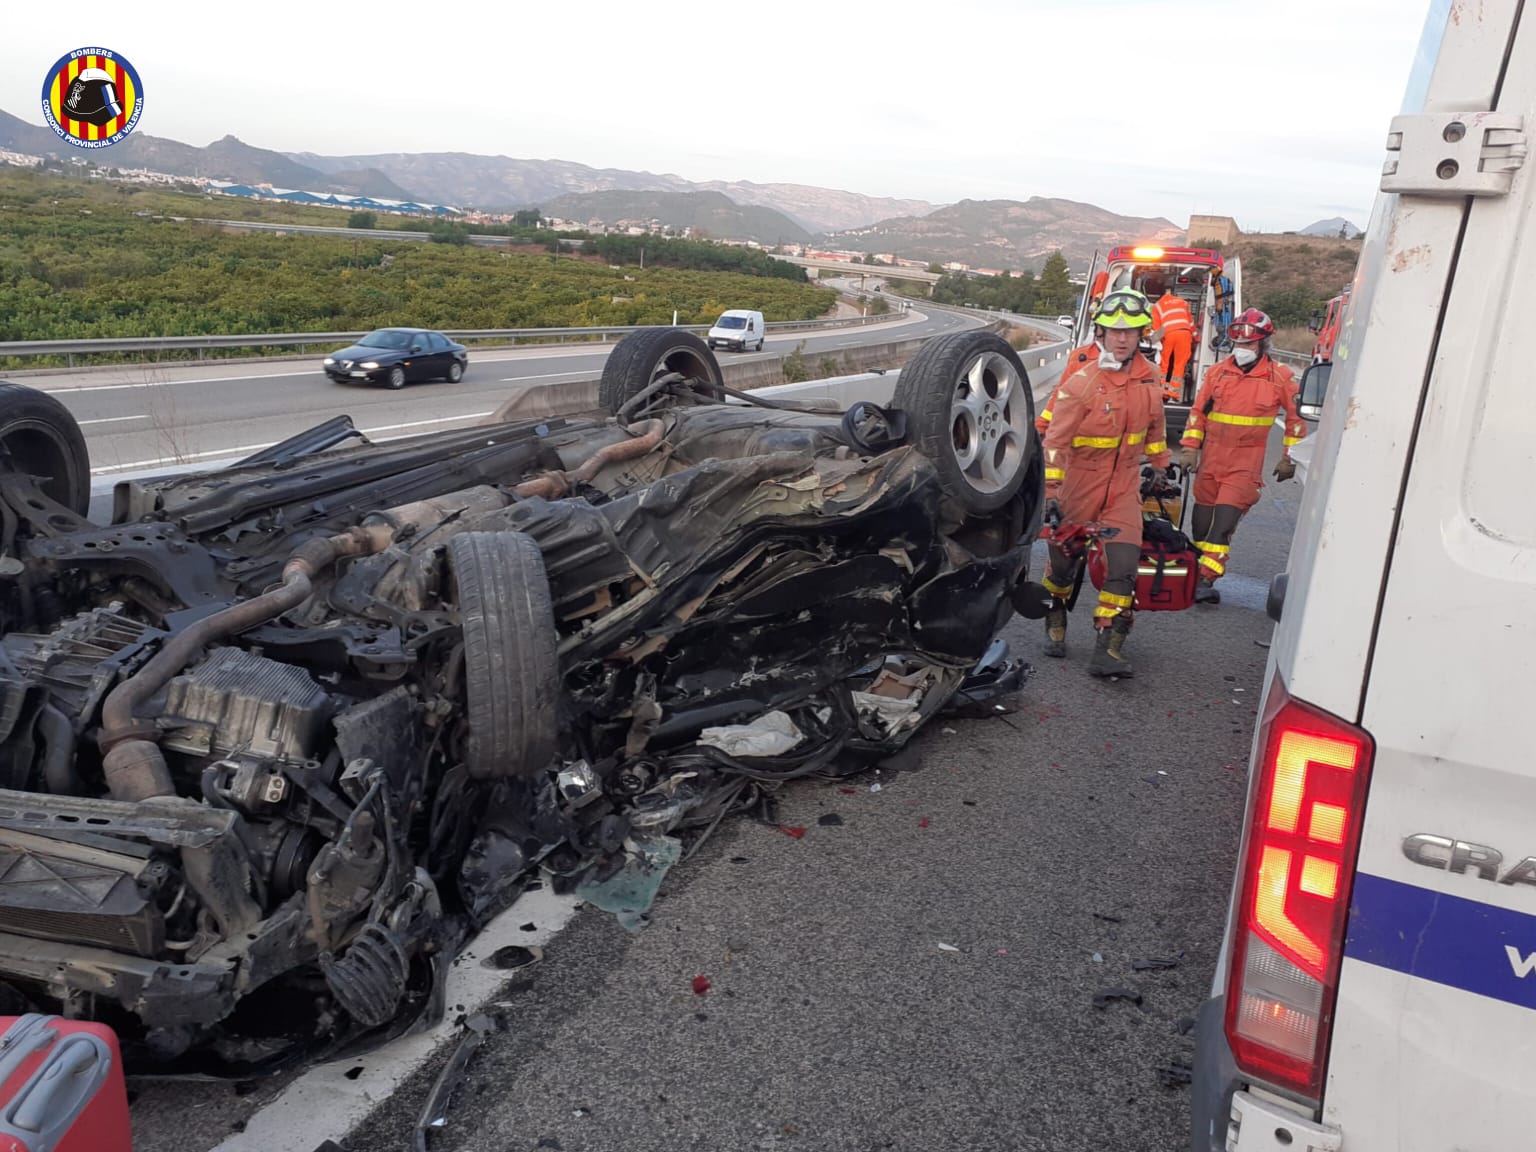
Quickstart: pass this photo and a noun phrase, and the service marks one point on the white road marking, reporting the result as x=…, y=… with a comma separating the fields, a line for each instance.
x=326, y=1104
x=545, y=376
x=424, y=423
x=110, y=420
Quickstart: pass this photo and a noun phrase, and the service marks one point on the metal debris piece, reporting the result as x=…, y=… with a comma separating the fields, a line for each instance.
x=434, y=1115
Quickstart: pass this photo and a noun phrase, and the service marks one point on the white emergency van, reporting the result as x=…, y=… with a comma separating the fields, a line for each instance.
x=738, y=328
x=1376, y=988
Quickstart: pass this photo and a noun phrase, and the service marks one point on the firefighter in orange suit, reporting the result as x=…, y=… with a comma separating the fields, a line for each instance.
x=1108, y=414
x=1174, y=325
x=1226, y=437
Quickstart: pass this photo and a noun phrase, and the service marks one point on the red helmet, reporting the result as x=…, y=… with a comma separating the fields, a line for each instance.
x=1252, y=325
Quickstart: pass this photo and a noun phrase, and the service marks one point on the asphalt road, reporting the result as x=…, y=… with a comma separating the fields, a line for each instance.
x=148, y=416
x=1050, y=849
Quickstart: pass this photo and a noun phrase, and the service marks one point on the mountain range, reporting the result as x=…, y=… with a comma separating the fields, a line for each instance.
x=982, y=233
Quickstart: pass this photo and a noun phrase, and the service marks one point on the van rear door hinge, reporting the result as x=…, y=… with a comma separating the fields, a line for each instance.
x=1454, y=153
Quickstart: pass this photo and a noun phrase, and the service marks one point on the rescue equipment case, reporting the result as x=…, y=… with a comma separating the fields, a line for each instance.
x=61, y=1087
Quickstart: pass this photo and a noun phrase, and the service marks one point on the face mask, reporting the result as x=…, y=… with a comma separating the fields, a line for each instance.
x=1107, y=359
x=1245, y=356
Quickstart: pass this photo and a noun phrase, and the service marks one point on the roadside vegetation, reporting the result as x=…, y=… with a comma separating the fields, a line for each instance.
x=77, y=261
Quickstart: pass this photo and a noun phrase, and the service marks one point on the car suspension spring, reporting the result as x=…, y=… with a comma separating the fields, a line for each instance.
x=369, y=980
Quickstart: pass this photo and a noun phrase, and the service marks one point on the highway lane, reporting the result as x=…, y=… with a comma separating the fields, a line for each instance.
x=147, y=416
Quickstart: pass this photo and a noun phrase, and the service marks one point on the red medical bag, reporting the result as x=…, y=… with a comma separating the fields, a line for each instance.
x=61, y=1087
x=1166, y=576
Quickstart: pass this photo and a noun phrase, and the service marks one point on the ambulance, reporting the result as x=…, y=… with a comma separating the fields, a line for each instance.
x=1208, y=282
x=1376, y=986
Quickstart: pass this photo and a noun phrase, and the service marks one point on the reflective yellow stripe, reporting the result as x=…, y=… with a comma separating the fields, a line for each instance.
x=1056, y=589
x=1047, y=415
x=1214, y=549
x=1194, y=433
x=1095, y=441
x=1157, y=447
x=1243, y=421
x=1168, y=570
x=1289, y=440
x=1113, y=598
x=1104, y=612
x=1215, y=566
x=1135, y=437
x=1055, y=474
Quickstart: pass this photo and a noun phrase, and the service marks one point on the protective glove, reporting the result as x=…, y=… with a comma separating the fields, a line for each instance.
x=1190, y=458
x=1285, y=469
x=1052, y=513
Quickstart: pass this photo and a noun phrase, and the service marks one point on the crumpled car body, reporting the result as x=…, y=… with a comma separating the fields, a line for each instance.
x=280, y=738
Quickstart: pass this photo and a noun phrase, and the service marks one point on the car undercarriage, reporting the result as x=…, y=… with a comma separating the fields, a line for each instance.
x=276, y=741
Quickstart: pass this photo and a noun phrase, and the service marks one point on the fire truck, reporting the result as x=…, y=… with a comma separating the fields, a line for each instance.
x=1326, y=328
x=1208, y=282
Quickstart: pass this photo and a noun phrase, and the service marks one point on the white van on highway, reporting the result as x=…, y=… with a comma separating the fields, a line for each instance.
x=739, y=329
x=1376, y=987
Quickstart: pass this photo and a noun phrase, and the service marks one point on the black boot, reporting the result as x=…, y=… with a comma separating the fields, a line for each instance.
x=1207, y=593
x=1056, y=630
x=1108, y=655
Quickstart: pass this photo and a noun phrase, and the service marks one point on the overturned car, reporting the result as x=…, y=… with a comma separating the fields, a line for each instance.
x=279, y=738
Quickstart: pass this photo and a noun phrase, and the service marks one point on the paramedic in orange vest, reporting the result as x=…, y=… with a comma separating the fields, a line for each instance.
x=1108, y=415
x=1226, y=437
x=1174, y=326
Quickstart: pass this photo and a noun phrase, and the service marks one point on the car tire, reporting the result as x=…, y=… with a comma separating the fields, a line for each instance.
x=971, y=412
x=759, y=345
x=641, y=357
x=455, y=372
x=511, y=667
x=39, y=437
x=396, y=378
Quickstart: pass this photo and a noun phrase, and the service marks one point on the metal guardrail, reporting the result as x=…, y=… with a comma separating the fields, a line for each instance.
x=301, y=340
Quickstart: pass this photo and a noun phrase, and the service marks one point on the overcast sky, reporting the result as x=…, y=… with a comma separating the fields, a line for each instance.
x=1274, y=113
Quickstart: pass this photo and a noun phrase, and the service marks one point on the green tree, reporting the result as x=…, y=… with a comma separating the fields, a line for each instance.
x=1054, y=292
x=363, y=220
x=936, y=267
x=527, y=218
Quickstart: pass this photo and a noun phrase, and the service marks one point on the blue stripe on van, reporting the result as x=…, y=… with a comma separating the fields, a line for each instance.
x=1447, y=939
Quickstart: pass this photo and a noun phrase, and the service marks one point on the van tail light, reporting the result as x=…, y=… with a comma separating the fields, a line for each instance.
x=1298, y=868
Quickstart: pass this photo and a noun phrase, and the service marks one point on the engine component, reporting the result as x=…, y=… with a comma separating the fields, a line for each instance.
x=56, y=890
x=369, y=978
x=79, y=661
x=249, y=785
x=234, y=702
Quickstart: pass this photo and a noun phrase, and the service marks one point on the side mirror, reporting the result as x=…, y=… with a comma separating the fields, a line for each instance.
x=1316, y=323
x=1314, y=388
x=415, y=348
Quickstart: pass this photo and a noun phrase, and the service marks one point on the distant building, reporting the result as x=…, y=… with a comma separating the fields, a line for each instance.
x=1212, y=230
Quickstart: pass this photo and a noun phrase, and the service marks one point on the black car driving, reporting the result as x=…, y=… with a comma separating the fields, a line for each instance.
x=396, y=356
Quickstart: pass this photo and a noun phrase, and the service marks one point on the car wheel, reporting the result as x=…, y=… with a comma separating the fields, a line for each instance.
x=396, y=378
x=455, y=372
x=759, y=345
x=39, y=437
x=644, y=357
x=971, y=412
x=511, y=668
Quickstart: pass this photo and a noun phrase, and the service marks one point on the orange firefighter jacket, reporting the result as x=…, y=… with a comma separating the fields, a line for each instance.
x=1076, y=359
x=1230, y=422
x=1105, y=421
x=1171, y=313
